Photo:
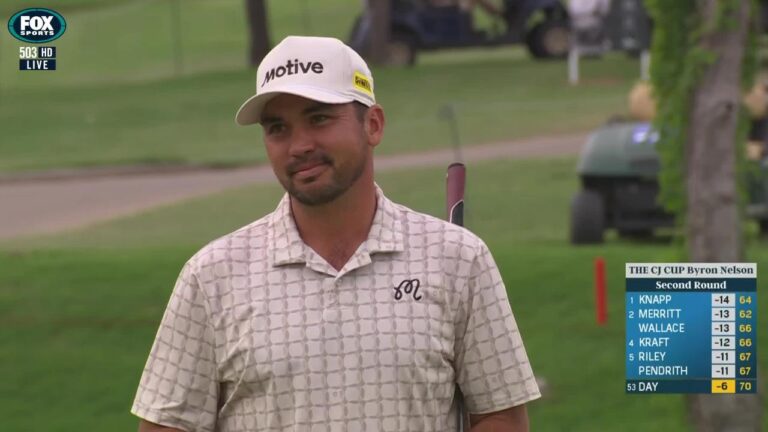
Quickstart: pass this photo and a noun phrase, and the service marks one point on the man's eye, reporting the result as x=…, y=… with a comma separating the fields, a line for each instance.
x=319, y=118
x=275, y=128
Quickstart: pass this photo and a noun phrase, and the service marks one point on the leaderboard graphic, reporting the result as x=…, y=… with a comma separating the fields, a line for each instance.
x=691, y=327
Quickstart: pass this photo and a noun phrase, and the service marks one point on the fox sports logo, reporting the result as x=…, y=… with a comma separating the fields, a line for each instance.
x=37, y=25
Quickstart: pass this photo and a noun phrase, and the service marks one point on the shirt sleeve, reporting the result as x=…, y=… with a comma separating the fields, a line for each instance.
x=492, y=367
x=179, y=386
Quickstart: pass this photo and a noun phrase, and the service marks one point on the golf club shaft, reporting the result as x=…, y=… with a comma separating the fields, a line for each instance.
x=455, y=180
x=454, y=187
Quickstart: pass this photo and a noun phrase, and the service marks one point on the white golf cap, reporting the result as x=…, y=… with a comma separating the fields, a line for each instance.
x=318, y=68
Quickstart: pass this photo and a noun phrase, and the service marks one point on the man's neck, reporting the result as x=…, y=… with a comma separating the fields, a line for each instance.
x=335, y=230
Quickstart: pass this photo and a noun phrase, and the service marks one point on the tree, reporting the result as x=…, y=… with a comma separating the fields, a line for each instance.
x=379, y=11
x=259, y=43
x=701, y=65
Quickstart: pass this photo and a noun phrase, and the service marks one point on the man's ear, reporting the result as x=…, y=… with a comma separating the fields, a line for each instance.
x=374, y=124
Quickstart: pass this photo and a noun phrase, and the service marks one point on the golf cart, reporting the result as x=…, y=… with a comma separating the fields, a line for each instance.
x=418, y=26
x=619, y=167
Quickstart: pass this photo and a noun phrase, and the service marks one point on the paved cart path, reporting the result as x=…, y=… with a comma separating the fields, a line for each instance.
x=58, y=201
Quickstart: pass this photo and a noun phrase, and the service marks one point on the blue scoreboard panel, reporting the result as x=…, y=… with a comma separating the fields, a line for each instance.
x=691, y=327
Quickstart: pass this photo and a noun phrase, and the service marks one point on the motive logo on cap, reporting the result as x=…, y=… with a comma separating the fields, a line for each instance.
x=292, y=67
x=37, y=25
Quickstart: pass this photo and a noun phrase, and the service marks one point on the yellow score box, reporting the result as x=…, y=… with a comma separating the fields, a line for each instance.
x=724, y=386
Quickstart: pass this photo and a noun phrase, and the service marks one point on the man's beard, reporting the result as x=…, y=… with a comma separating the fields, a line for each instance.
x=339, y=184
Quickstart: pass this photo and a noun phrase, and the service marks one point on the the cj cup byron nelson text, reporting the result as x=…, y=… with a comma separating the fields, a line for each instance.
x=684, y=270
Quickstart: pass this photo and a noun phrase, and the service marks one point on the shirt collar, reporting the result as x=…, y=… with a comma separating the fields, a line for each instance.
x=386, y=234
x=285, y=243
x=287, y=247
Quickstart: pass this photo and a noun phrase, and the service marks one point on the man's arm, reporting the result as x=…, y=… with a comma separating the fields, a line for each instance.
x=514, y=419
x=179, y=385
x=145, y=426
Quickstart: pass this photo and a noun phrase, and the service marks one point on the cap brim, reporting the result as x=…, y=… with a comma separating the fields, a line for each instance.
x=250, y=111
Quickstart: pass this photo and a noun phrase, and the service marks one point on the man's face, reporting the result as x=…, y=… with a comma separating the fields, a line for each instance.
x=317, y=150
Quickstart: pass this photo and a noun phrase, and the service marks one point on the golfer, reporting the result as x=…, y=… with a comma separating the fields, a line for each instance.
x=341, y=310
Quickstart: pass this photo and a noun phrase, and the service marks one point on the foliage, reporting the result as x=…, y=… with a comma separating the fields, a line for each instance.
x=679, y=61
x=746, y=169
x=675, y=70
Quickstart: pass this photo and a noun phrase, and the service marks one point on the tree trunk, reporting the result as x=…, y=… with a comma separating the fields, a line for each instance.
x=379, y=11
x=259, y=44
x=712, y=220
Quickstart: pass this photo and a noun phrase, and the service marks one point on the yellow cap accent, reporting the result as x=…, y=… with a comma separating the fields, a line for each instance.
x=363, y=84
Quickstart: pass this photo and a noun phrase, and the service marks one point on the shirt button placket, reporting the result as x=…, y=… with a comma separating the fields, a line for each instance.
x=330, y=300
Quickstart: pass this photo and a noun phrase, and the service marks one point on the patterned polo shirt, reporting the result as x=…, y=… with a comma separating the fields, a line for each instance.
x=262, y=334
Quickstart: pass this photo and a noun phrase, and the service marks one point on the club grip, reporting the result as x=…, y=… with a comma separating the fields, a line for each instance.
x=455, y=180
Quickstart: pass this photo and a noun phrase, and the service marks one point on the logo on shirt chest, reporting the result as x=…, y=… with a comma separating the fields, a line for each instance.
x=408, y=287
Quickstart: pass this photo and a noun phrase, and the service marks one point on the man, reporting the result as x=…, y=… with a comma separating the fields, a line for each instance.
x=588, y=20
x=341, y=310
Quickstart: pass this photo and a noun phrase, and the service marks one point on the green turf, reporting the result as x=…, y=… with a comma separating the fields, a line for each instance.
x=111, y=41
x=115, y=41
x=115, y=98
x=9, y=7
x=78, y=311
x=191, y=120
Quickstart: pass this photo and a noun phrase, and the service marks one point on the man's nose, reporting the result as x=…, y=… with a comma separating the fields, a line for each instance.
x=302, y=142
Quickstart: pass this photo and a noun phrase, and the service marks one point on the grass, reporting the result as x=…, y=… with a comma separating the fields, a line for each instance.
x=10, y=7
x=115, y=41
x=112, y=41
x=115, y=99
x=191, y=119
x=78, y=311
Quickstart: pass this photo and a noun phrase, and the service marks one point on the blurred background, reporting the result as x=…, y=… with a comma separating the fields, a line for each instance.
x=119, y=165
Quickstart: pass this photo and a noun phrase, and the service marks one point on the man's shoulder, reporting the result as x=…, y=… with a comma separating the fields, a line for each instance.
x=435, y=229
x=250, y=237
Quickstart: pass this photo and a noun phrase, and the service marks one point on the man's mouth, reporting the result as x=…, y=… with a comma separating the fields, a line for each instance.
x=307, y=170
